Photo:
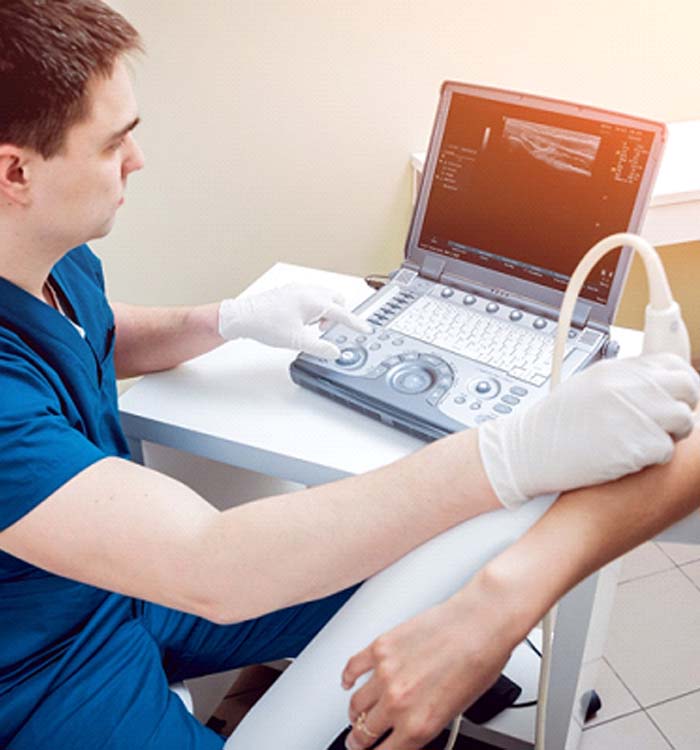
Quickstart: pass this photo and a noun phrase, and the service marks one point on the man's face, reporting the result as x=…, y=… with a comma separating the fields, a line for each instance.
x=76, y=194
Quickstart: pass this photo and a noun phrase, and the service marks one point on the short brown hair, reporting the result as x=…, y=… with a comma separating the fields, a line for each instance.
x=49, y=52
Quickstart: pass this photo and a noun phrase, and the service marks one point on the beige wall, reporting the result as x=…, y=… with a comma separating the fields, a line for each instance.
x=682, y=264
x=282, y=129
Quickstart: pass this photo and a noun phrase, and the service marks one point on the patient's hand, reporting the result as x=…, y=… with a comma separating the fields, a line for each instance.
x=427, y=671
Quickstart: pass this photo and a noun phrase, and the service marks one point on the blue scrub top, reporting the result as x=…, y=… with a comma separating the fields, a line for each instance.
x=58, y=415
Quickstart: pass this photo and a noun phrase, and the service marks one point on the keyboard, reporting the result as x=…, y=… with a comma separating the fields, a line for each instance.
x=520, y=351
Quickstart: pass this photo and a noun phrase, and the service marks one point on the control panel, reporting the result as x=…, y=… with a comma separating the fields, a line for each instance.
x=442, y=358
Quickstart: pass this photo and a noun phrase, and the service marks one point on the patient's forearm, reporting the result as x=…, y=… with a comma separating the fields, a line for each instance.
x=583, y=531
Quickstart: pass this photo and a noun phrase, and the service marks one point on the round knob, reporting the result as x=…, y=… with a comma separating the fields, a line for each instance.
x=351, y=357
x=486, y=388
x=492, y=307
x=447, y=292
x=412, y=379
x=469, y=299
x=539, y=323
x=515, y=315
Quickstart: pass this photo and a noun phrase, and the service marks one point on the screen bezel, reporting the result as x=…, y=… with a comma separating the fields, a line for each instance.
x=497, y=281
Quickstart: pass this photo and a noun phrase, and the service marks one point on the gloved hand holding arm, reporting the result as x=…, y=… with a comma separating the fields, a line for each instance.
x=612, y=419
x=284, y=317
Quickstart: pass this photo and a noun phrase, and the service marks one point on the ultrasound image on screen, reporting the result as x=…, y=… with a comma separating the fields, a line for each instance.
x=563, y=150
x=528, y=192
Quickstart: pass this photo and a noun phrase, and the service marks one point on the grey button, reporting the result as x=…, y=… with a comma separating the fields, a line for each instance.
x=502, y=409
x=515, y=315
x=539, y=323
x=516, y=390
x=469, y=299
x=475, y=405
x=350, y=357
x=573, y=333
x=492, y=307
x=460, y=400
x=447, y=292
x=483, y=386
x=374, y=347
x=436, y=395
x=361, y=339
x=409, y=356
x=392, y=361
x=510, y=400
x=445, y=382
x=384, y=336
x=341, y=339
x=397, y=342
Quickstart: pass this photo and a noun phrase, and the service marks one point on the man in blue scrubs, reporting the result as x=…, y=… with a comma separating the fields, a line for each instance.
x=115, y=580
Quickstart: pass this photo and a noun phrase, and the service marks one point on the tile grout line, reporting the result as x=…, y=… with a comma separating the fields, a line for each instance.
x=604, y=722
x=659, y=730
x=624, y=684
x=646, y=575
x=673, y=698
x=663, y=552
x=680, y=567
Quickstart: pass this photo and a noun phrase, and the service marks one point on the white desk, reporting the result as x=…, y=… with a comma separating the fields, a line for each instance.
x=674, y=210
x=237, y=405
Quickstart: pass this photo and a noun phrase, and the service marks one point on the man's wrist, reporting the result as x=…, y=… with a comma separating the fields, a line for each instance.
x=204, y=321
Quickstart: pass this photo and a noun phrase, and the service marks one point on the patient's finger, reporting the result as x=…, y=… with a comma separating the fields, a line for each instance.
x=364, y=699
x=357, y=665
x=367, y=728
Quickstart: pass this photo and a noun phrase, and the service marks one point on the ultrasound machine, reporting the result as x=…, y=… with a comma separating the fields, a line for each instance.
x=516, y=188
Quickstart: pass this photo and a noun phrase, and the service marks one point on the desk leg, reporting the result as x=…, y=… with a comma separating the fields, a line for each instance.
x=136, y=449
x=570, y=634
x=580, y=631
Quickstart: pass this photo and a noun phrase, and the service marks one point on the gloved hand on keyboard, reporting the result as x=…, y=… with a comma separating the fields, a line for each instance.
x=284, y=317
x=612, y=419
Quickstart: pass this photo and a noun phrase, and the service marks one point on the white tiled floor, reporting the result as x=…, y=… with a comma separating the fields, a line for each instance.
x=650, y=680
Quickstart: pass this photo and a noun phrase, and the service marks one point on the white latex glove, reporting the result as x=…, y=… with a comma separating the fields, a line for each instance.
x=283, y=317
x=612, y=419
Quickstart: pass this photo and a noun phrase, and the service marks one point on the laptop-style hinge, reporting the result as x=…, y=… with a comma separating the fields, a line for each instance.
x=432, y=267
x=581, y=315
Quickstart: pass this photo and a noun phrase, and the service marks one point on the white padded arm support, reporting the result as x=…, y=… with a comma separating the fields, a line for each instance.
x=307, y=708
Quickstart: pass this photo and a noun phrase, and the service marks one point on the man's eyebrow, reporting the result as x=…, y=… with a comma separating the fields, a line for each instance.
x=127, y=129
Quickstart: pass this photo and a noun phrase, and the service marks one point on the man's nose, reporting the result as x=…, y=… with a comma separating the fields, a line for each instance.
x=135, y=159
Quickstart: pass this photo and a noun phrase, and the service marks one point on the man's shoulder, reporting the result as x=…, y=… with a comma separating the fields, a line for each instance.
x=23, y=374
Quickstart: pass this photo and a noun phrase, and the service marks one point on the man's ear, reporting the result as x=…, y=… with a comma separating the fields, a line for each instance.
x=14, y=175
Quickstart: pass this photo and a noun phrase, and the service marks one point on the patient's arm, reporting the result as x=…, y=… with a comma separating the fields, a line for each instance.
x=432, y=667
